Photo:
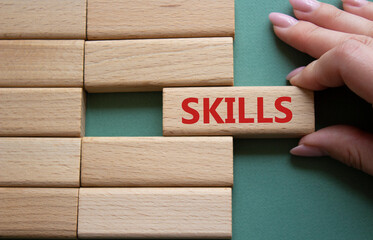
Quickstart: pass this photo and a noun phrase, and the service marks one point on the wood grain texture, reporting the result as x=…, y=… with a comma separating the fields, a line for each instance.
x=38, y=212
x=157, y=161
x=301, y=106
x=155, y=213
x=42, y=112
x=124, y=19
x=41, y=63
x=40, y=162
x=150, y=65
x=42, y=19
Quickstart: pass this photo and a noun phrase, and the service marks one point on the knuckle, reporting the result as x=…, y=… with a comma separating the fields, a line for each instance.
x=336, y=14
x=367, y=41
x=301, y=35
x=310, y=31
x=307, y=37
x=348, y=49
x=354, y=158
x=354, y=153
x=328, y=12
x=370, y=30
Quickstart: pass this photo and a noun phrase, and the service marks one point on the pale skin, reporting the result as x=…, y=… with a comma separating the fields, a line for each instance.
x=342, y=43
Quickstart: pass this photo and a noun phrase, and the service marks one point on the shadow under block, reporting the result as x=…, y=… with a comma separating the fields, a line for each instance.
x=40, y=162
x=157, y=161
x=284, y=111
x=150, y=65
x=41, y=63
x=124, y=19
x=155, y=213
x=38, y=212
x=42, y=19
x=42, y=112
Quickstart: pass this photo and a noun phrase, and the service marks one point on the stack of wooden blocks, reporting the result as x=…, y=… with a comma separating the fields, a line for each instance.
x=57, y=183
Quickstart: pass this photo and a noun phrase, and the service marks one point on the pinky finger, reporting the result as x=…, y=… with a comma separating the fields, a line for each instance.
x=362, y=8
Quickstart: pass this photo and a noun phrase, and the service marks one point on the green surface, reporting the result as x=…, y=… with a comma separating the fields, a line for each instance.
x=276, y=196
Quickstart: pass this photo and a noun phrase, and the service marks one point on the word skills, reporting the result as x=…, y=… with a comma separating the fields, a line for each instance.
x=285, y=111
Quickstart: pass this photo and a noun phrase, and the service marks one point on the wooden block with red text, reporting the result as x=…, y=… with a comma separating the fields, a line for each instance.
x=283, y=111
x=155, y=213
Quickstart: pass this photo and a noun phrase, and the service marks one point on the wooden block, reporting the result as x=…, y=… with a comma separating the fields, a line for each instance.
x=155, y=213
x=43, y=162
x=157, y=161
x=42, y=19
x=285, y=111
x=150, y=65
x=42, y=112
x=41, y=63
x=124, y=19
x=38, y=212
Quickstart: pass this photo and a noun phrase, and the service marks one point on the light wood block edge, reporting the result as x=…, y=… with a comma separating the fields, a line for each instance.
x=40, y=162
x=41, y=63
x=157, y=161
x=160, y=19
x=38, y=212
x=155, y=213
x=43, y=19
x=12, y=125
x=152, y=64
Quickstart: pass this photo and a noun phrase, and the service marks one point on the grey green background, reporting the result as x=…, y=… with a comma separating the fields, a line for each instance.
x=275, y=195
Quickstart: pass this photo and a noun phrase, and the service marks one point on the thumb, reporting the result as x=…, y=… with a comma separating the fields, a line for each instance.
x=344, y=143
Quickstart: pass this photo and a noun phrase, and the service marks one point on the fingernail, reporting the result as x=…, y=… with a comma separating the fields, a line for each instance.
x=355, y=3
x=304, y=5
x=294, y=73
x=282, y=20
x=307, y=151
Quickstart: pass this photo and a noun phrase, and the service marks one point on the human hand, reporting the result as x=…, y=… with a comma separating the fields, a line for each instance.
x=342, y=42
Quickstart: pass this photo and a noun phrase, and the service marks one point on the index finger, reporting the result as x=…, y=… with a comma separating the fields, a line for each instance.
x=310, y=38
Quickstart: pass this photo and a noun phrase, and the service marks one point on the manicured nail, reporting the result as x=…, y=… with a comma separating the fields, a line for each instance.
x=282, y=20
x=304, y=5
x=356, y=3
x=294, y=73
x=307, y=151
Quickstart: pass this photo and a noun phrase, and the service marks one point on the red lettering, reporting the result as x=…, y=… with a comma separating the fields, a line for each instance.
x=286, y=111
x=207, y=110
x=241, y=112
x=193, y=112
x=230, y=118
x=261, y=118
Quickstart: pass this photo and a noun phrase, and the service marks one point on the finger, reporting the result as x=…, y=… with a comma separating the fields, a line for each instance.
x=361, y=8
x=349, y=63
x=344, y=143
x=308, y=37
x=330, y=17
